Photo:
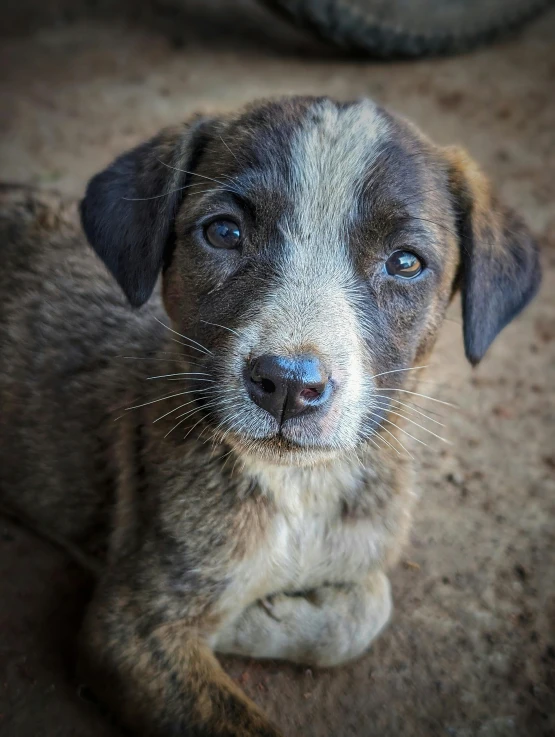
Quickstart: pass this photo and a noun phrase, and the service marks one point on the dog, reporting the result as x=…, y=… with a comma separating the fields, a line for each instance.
x=282, y=273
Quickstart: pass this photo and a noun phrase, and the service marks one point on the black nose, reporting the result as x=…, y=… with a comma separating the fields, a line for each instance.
x=285, y=386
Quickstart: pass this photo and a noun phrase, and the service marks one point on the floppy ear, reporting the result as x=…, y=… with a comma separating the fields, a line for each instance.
x=129, y=209
x=500, y=271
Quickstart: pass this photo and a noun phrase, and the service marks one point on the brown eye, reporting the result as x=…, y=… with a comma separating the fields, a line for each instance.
x=223, y=234
x=405, y=264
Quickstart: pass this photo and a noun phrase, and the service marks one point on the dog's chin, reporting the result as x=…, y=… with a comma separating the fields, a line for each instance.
x=280, y=450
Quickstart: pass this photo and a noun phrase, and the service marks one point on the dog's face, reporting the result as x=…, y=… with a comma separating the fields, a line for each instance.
x=312, y=248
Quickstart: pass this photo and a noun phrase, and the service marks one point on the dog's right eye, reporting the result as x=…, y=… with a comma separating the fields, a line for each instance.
x=223, y=234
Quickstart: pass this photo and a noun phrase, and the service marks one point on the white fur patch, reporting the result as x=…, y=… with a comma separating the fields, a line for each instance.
x=331, y=156
x=308, y=543
x=312, y=308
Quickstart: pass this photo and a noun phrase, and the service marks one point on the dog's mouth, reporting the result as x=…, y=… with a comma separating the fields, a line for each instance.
x=282, y=440
x=293, y=408
x=284, y=444
x=296, y=440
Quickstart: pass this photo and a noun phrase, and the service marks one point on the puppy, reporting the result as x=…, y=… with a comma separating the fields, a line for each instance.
x=253, y=493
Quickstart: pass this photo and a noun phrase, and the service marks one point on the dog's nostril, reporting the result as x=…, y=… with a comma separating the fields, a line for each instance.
x=268, y=386
x=310, y=393
x=259, y=376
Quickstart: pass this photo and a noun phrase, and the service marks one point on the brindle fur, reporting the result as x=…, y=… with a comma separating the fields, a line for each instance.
x=229, y=533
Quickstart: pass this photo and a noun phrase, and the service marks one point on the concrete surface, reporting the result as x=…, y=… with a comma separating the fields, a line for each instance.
x=471, y=648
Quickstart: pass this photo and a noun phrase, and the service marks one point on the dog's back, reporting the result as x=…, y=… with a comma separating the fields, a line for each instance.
x=64, y=328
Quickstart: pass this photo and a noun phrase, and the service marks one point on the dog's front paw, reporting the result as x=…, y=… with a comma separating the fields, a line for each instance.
x=326, y=626
x=281, y=607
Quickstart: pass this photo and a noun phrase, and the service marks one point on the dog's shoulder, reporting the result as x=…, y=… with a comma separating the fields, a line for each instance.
x=61, y=312
x=41, y=243
x=28, y=212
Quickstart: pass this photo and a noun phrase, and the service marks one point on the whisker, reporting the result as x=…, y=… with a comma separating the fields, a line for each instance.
x=200, y=347
x=168, y=396
x=175, y=409
x=191, y=430
x=180, y=373
x=191, y=173
x=229, y=417
x=188, y=414
x=186, y=345
x=175, y=353
x=380, y=437
x=238, y=458
x=402, y=429
x=225, y=455
x=356, y=456
x=397, y=371
x=230, y=151
x=160, y=360
x=183, y=357
x=217, y=325
x=209, y=404
x=210, y=381
x=413, y=422
x=409, y=407
x=221, y=188
x=189, y=378
x=416, y=394
x=374, y=443
x=191, y=413
x=407, y=451
x=158, y=196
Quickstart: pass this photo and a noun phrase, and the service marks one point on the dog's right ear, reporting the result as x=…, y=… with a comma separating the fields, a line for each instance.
x=129, y=209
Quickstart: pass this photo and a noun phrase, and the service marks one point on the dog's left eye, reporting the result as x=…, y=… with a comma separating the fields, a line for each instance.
x=223, y=234
x=405, y=264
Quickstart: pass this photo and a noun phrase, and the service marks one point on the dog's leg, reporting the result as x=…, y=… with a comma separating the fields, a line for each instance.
x=324, y=627
x=160, y=678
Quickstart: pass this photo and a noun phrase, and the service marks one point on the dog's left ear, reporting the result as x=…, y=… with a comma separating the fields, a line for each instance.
x=129, y=209
x=500, y=271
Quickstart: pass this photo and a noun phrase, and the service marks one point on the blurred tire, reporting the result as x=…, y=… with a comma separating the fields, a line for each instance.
x=410, y=28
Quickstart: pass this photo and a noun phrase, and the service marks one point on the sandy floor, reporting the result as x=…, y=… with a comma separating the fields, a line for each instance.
x=471, y=649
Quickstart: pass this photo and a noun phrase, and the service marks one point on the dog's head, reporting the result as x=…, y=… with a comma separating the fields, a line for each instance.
x=312, y=248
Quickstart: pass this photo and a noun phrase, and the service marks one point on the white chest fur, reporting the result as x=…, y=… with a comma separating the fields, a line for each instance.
x=309, y=540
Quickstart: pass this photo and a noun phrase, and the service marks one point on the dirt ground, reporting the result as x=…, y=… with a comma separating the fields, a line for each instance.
x=470, y=651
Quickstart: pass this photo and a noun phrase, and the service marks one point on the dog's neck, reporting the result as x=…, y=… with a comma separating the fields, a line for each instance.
x=318, y=486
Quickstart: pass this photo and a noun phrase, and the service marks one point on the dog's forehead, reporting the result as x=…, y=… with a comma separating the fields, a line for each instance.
x=319, y=169
x=300, y=139
x=323, y=155
x=337, y=145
